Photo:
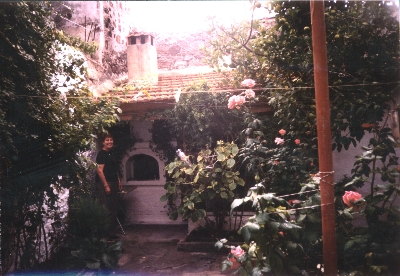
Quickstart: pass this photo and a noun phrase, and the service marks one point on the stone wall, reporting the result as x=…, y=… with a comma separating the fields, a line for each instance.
x=102, y=22
x=116, y=14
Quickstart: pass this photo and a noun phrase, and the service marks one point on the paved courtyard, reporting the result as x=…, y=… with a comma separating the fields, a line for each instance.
x=152, y=250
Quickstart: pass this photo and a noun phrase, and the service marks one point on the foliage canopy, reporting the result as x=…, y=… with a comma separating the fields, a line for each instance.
x=48, y=119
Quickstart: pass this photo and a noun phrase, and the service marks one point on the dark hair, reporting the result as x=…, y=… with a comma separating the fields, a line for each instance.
x=106, y=135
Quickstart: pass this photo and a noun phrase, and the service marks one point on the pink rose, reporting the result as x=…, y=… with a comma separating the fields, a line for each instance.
x=279, y=141
x=282, y=132
x=235, y=101
x=231, y=102
x=276, y=162
x=249, y=93
x=248, y=82
x=237, y=251
x=297, y=141
x=350, y=197
x=240, y=100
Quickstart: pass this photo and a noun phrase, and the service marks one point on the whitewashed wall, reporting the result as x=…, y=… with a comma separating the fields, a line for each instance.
x=143, y=204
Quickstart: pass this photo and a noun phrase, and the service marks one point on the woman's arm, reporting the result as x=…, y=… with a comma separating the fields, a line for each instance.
x=102, y=177
x=119, y=184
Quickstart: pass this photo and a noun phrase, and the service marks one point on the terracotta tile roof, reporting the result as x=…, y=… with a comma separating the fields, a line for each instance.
x=168, y=85
x=162, y=95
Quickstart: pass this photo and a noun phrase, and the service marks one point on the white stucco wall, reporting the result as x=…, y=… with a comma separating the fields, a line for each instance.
x=142, y=62
x=143, y=205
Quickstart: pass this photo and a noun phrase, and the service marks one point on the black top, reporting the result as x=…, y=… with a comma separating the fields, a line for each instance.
x=110, y=165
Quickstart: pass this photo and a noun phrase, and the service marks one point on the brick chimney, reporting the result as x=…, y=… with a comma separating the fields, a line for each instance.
x=142, y=58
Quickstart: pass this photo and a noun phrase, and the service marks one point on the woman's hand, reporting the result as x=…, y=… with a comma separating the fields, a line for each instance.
x=107, y=189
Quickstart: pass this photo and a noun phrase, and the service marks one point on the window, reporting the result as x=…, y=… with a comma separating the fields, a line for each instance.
x=132, y=40
x=142, y=39
x=142, y=167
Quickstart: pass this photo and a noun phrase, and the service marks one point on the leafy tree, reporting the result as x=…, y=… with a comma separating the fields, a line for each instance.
x=48, y=118
x=200, y=119
x=362, y=44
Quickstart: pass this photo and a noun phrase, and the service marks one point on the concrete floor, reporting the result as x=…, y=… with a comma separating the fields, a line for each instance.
x=151, y=250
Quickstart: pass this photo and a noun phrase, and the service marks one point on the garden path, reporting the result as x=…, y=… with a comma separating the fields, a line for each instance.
x=151, y=250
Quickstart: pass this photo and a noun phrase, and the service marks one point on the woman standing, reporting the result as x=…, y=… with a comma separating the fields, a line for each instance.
x=108, y=182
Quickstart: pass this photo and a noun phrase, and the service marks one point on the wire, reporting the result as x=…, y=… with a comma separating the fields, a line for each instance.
x=71, y=20
x=314, y=190
x=170, y=96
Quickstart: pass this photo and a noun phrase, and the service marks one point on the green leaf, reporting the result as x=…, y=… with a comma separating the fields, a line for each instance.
x=164, y=198
x=348, y=244
x=314, y=217
x=77, y=253
x=232, y=186
x=221, y=157
x=171, y=189
x=240, y=181
x=229, y=174
x=301, y=217
x=262, y=218
x=224, y=195
x=312, y=235
x=235, y=149
x=294, y=269
x=196, y=178
x=108, y=260
x=201, y=213
x=226, y=264
x=173, y=216
x=170, y=167
x=189, y=171
x=92, y=264
x=244, y=231
x=230, y=163
x=116, y=246
x=288, y=226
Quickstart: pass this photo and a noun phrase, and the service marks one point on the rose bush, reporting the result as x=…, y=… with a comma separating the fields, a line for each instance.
x=236, y=252
x=249, y=83
x=350, y=197
x=249, y=93
x=236, y=101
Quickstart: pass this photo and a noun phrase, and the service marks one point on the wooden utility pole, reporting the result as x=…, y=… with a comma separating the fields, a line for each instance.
x=324, y=138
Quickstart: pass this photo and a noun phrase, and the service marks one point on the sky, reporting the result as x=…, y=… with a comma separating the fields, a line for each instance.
x=184, y=16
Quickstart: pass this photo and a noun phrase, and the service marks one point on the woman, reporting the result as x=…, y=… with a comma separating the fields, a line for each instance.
x=108, y=182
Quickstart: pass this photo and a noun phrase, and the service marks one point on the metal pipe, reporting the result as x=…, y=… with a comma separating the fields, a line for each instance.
x=324, y=138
